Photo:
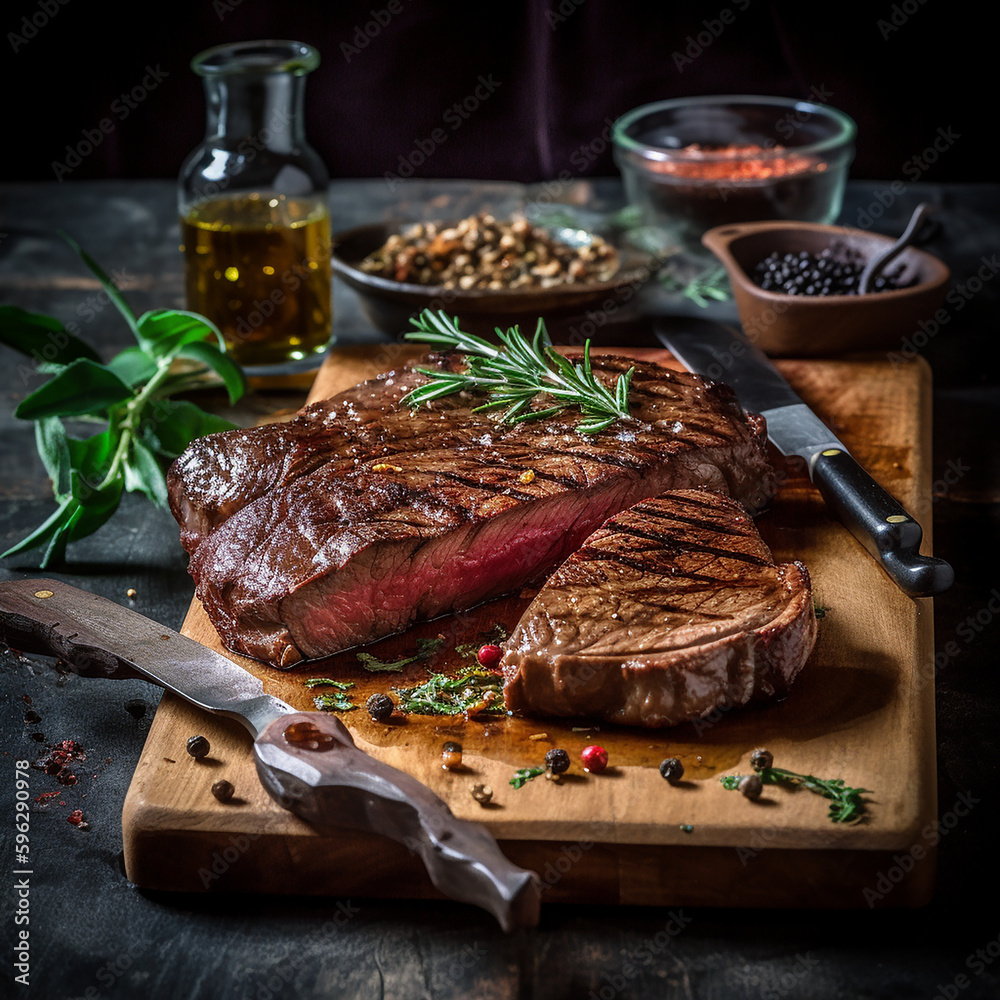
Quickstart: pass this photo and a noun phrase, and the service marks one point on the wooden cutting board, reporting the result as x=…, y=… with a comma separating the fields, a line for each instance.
x=862, y=710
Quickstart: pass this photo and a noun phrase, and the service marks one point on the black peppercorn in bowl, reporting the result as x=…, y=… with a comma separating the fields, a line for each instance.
x=693, y=163
x=822, y=314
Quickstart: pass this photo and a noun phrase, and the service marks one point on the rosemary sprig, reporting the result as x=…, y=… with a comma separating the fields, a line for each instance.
x=471, y=690
x=702, y=287
x=846, y=803
x=425, y=648
x=523, y=775
x=314, y=682
x=514, y=374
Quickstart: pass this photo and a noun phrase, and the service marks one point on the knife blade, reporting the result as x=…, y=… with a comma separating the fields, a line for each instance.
x=723, y=353
x=307, y=761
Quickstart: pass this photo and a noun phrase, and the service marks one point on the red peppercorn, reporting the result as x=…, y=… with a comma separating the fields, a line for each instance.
x=75, y=817
x=489, y=656
x=595, y=759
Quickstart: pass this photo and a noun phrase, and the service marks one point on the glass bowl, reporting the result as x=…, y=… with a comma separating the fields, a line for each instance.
x=694, y=163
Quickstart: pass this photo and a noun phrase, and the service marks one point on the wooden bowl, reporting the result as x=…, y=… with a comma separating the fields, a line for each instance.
x=389, y=304
x=803, y=326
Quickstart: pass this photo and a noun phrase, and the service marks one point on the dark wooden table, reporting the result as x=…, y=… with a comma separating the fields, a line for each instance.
x=94, y=935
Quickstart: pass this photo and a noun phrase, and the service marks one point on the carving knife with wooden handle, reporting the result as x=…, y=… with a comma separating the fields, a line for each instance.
x=307, y=761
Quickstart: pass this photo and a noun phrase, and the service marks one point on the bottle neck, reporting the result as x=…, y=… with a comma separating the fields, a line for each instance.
x=262, y=110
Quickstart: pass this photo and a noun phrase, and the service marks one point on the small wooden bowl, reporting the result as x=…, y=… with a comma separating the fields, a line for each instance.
x=389, y=304
x=804, y=326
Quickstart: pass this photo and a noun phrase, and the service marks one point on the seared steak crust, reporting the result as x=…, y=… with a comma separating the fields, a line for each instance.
x=359, y=516
x=672, y=609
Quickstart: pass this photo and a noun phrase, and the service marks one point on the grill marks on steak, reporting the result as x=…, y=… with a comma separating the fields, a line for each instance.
x=672, y=609
x=360, y=517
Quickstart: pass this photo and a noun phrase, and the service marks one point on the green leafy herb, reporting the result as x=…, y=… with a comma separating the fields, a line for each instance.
x=471, y=691
x=820, y=609
x=523, y=775
x=706, y=286
x=315, y=682
x=143, y=430
x=513, y=375
x=846, y=804
x=425, y=648
x=336, y=702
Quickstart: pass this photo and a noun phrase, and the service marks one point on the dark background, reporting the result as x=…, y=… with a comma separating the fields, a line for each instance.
x=565, y=68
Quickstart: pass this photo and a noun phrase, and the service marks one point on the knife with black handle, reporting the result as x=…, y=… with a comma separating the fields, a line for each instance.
x=307, y=761
x=723, y=353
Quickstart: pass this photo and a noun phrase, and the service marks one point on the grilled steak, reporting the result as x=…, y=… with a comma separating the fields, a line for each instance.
x=672, y=609
x=360, y=516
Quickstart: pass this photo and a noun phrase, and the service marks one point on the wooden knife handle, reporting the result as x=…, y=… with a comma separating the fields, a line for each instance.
x=50, y=618
x=309, y=763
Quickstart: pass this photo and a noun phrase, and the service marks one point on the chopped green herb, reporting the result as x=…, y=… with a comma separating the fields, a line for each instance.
x=524, y=775
x=820, y=609
x=336, y=702
x=846, y=804
x=315, y=682
x=425, y=648
x=472, y=689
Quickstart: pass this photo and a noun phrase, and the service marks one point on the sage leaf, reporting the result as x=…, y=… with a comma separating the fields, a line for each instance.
x=231, y=374
x=41, y=337
x=163, y=332
x=45, y=531
x=81, y=387
x=95, y=505
x=170, y=425
x=50, y=441
x=144, y=475
x=133, y=366
x=109, y=286
x=91, y=457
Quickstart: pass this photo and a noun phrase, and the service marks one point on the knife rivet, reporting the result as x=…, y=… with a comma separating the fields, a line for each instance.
x=831, y=451
x=43, y=593
x=897, y=518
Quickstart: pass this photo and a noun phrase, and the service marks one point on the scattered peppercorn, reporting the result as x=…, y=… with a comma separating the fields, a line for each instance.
x=75, y=817
x=595, y=759
x=223, y=790
x=761, y=759
x=671, y=769
x=557, y=760
x=751, y=786
x=198, y=747
x=483, y=794
x=31, y=717
x=136, y=708
x=380, y=707
x=489, y=656
x=451, y=756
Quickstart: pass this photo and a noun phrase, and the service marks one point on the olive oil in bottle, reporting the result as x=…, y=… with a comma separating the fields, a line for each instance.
x=258, y=266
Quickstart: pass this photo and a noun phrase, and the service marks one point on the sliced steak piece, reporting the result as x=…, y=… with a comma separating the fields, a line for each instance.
x=219, y=475
x=673, y=608
x=364, y=519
